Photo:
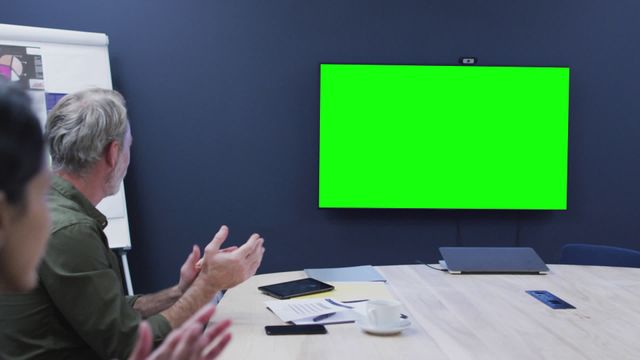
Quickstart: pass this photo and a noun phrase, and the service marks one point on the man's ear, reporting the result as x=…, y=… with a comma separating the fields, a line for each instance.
x=111, y=153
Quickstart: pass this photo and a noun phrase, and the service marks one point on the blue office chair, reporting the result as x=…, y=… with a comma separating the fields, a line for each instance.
x=587, y=254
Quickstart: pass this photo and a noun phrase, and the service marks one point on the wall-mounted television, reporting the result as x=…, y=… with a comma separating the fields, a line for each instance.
x=443, y=137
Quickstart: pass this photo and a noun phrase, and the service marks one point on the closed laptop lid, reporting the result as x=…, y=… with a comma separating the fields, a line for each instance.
x=492, y=260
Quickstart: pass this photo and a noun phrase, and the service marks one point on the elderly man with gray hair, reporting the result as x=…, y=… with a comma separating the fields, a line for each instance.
x=79, y=310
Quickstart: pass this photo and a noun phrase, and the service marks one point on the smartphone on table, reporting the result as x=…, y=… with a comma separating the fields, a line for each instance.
x=310, y=329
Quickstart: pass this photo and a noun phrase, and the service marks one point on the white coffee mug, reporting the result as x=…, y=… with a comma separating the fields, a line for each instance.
x=383, y=313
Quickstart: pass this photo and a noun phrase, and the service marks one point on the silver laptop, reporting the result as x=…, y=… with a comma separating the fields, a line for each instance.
x=510, y=260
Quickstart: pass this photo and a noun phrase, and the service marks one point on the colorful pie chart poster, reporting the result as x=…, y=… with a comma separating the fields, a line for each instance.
x=23, y=65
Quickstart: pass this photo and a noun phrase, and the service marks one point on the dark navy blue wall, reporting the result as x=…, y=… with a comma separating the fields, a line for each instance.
x=223, y=100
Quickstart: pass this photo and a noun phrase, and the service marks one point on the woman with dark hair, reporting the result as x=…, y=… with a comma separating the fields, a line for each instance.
x=24, y=183
x=24, y=230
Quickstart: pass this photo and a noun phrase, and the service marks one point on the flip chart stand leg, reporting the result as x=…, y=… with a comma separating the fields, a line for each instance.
x=125, y=268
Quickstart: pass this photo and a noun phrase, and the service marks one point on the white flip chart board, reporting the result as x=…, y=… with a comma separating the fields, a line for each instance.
x=70, y=61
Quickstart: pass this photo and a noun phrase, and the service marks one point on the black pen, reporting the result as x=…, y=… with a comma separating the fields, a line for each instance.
x=323, y=316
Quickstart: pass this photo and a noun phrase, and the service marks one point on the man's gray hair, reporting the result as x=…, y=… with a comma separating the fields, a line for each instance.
x=81, y=125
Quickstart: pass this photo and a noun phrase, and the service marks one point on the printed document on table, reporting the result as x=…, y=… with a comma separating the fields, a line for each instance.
x=358, y=311
x=291, y=310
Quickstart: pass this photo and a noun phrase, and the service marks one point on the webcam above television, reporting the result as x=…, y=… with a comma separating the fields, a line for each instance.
x=443, y=137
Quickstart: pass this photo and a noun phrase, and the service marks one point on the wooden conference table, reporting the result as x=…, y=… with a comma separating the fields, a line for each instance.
x=461, y=317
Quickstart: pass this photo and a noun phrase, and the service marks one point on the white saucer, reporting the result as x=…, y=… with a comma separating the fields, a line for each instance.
x=365, y=325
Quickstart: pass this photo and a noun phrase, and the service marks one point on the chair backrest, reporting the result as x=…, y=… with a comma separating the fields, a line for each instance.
x=587, y=254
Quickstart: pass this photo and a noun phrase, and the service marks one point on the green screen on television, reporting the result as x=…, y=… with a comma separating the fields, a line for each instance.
x=443, y=137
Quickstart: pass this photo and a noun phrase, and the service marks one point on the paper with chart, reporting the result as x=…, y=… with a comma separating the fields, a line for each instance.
x=23, y=65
